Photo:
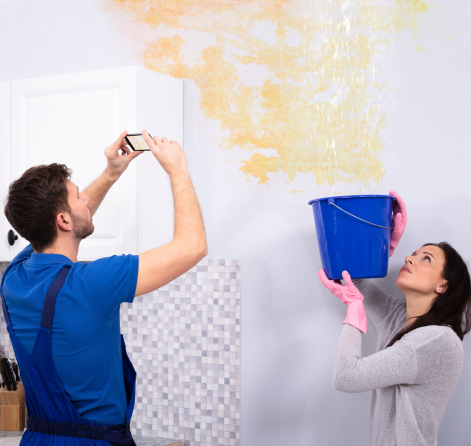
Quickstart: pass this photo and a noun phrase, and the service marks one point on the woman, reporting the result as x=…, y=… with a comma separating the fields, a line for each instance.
x=420, y=353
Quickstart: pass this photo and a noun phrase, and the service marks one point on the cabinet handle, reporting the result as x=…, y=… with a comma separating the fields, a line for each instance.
x=12, y=237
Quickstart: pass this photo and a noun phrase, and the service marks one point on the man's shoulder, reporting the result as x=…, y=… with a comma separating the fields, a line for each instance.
x=9, y=274
x=19, y=259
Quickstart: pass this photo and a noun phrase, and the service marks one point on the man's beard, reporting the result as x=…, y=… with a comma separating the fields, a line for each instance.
x=82, y=226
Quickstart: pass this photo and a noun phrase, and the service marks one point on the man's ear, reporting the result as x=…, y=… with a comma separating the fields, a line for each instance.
x=63, y=221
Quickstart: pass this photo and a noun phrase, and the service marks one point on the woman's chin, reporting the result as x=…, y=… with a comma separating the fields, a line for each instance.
x=401, y=282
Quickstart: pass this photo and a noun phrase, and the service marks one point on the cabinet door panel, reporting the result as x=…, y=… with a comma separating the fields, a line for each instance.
x=71, y=119
x=4, y=166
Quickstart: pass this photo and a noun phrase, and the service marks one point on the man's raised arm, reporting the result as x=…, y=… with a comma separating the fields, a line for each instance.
x=163, y=264
x=116, y=165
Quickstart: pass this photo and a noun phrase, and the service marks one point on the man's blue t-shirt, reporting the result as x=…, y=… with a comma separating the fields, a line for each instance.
x=86, y=342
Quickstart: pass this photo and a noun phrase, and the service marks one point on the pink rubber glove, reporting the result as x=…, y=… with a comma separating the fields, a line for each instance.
x=399, y=219
x=349, y=295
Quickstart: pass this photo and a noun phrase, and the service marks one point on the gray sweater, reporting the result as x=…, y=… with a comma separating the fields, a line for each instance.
x=411, y=382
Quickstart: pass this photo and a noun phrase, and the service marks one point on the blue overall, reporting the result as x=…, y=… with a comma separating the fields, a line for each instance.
x=52, y=419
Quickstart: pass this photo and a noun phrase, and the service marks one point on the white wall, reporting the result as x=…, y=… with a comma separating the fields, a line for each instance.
x=290, y=325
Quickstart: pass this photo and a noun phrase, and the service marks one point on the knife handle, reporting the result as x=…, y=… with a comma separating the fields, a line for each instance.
x=6, y=377
x=17, y=371
x=12, y=376
x=6, y=369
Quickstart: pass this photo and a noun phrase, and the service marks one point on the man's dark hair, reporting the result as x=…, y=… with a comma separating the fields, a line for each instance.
x=35, y=199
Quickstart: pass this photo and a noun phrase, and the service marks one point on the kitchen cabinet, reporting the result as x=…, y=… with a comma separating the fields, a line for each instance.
x=71, y=119
x=4, y=166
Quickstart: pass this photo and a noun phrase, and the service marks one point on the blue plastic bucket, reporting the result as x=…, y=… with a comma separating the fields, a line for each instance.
x=353, y=233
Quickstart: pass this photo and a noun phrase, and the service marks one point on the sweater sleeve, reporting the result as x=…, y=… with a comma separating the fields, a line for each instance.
x=378, y=304
x=354, y=374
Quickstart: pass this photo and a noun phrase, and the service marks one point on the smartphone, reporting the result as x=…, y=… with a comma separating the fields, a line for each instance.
x=136, y=141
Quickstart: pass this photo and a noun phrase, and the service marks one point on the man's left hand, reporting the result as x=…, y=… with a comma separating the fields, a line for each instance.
x=118, y=163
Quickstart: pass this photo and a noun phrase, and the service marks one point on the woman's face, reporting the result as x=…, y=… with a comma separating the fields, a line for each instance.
x=422, y=272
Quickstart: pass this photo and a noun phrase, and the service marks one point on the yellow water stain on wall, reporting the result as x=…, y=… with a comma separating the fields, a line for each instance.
x=417, y=6
x=321, y=106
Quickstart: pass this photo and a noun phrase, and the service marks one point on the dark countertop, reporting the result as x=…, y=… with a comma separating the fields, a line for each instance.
x=139, y=439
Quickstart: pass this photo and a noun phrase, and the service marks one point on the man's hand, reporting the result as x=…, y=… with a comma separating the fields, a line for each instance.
x=169, y=154
x=118, y=163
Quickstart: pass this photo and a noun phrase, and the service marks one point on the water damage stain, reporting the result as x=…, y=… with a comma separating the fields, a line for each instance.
x=317, y=102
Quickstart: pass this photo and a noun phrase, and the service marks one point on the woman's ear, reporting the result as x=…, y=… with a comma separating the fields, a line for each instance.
x=441, y=289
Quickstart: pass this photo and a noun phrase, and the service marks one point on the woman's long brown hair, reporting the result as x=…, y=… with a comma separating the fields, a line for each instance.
x=453, y=307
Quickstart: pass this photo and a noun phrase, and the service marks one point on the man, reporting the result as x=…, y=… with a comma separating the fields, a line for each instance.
x=63, y=316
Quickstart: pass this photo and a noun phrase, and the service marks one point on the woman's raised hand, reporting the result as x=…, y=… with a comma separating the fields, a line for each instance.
x=350, y=295
x=399, y=221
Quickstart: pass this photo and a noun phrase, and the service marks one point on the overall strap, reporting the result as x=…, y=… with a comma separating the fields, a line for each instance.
x=5, y=311
x=51, y=296
x=4, y=305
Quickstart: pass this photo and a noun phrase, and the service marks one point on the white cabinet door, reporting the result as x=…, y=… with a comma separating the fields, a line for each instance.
x=72, y=118
x=4, y=166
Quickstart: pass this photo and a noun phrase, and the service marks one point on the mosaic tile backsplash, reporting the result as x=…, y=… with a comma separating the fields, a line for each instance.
x=184, y=341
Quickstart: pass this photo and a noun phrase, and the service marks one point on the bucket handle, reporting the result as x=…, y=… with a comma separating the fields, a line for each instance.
x=331, y=201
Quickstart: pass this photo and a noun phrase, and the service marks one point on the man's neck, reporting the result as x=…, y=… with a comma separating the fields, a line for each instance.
x=68, y=248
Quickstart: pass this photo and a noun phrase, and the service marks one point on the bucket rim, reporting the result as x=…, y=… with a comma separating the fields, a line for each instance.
x=352, y=196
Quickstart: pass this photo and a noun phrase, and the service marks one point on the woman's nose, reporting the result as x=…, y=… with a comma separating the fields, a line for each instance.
x=409, y=260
